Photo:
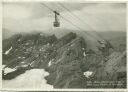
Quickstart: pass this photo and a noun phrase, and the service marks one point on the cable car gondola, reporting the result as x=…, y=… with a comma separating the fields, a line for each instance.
x=56, y=22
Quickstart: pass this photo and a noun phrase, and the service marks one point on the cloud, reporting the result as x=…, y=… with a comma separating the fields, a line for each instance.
x=26, y=17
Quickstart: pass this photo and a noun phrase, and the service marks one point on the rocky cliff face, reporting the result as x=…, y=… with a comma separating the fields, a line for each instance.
x=68, y=60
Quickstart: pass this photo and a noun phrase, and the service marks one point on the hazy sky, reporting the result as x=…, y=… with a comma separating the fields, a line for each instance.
x=28, y=16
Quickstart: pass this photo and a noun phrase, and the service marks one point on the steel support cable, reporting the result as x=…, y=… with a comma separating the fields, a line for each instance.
x=79, y=19
x=61, y=16
x=68, y=21
x=82, y=30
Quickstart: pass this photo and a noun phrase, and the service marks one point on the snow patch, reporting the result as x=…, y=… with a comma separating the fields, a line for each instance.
x=8, y=70
x=84, y=54
x=22, y=62
x=24, y=65
x=19, y=57
x=27, y=43
x=83, y=48
x=87, y=74
x=32, y=63
x=50, y=63
x=23, y=57
x=40, y=50
x=7, y=52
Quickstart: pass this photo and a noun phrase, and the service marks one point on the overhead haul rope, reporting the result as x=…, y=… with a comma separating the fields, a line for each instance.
x=68, y=21
x=79, y=19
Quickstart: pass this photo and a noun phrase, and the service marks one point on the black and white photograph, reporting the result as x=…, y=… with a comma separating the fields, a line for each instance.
x=64, y=45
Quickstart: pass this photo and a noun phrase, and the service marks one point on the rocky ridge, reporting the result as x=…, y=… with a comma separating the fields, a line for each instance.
x=67, y=59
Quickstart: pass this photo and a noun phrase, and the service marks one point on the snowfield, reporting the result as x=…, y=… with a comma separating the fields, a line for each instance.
x=31, y=79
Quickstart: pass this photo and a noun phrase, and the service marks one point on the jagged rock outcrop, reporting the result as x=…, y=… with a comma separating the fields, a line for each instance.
x=67, y=59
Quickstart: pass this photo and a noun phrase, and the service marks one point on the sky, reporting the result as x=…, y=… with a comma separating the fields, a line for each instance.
x=29, y=17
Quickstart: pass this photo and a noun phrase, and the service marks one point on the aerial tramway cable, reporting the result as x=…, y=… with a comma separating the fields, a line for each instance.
x=79, y=18
x=69, y=21
x=101, y=38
